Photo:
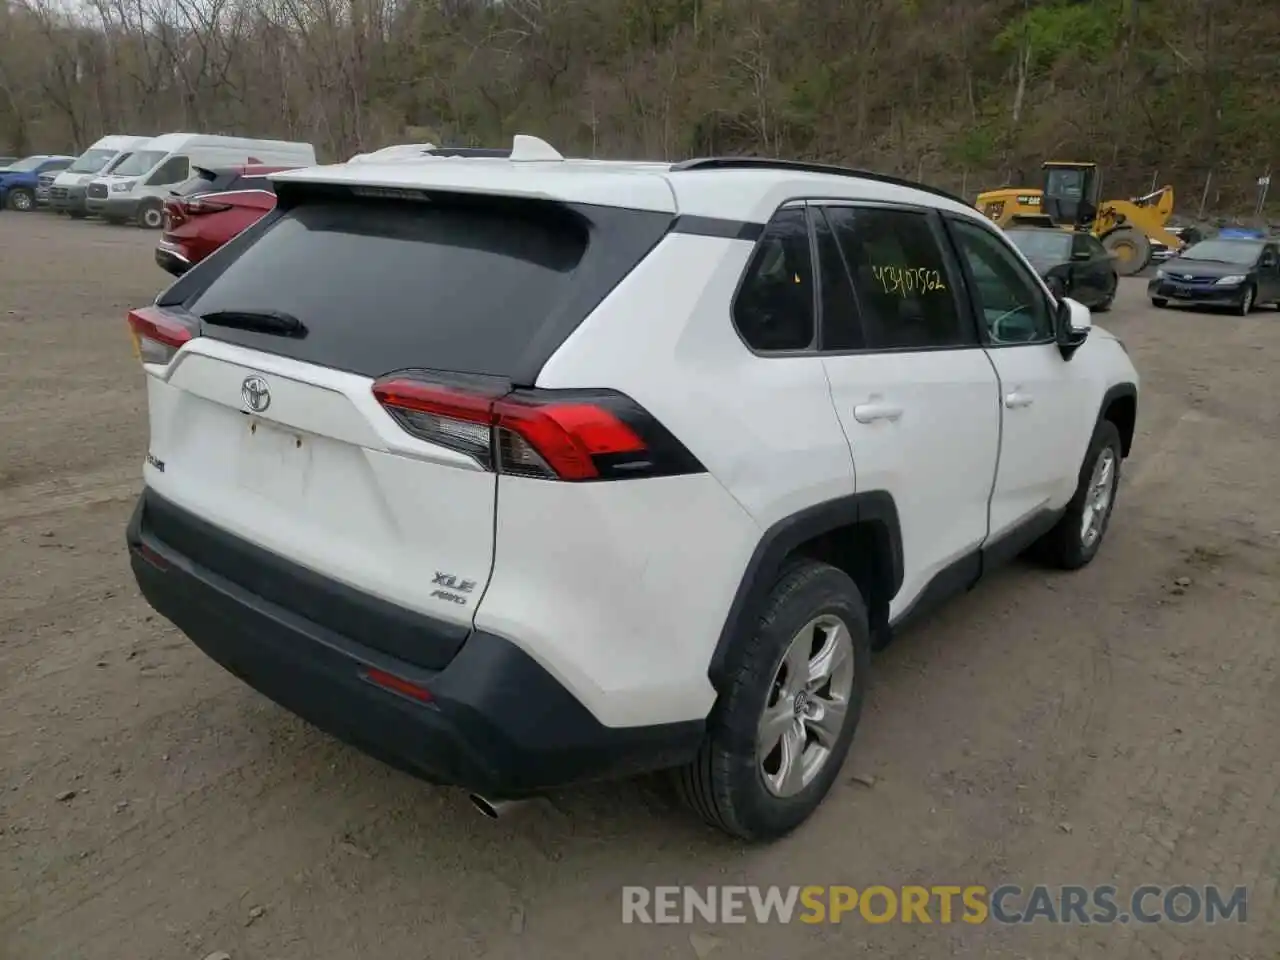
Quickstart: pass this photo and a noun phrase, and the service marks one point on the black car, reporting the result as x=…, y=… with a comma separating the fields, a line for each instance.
x=1239, y=273
x=1074, y=264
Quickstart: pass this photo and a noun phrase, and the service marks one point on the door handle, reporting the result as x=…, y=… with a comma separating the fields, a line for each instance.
x=871, y=412
x=1018, y=399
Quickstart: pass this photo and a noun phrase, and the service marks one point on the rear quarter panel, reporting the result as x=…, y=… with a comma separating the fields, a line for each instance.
x=621, y=589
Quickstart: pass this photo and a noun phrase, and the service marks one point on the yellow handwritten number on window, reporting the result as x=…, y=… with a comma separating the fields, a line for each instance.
x=906, y=281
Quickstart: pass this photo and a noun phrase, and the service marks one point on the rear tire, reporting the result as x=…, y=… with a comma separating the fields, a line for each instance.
x=775, y=689
x=1074, y=540
x=1131, y=251
x=76, y=214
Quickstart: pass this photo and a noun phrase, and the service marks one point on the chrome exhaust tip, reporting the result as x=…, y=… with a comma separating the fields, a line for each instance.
x=493, y=809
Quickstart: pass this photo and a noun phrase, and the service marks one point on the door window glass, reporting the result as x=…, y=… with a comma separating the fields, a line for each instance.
x=899, y=276
x=1012, y=305
x=174, y=170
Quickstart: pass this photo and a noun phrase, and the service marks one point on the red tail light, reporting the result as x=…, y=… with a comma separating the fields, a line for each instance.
x=157, y=334
x=198, y=205
x=550, y=435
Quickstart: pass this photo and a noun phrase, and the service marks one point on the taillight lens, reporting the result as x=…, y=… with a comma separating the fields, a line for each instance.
x=157, y=334
x=198, y=205
x=549, y=435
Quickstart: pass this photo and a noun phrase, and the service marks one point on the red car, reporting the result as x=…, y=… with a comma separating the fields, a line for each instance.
x=209, y=209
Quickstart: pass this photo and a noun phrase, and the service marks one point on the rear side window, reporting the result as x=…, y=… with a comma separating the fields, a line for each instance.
x=900, y=278
x=774, y=306
x=383, y=285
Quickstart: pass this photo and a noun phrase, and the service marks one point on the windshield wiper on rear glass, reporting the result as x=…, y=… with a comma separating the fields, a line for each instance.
x=260, y=321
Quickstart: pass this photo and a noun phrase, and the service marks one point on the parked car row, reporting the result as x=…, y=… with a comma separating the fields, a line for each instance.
x=128, y=179
x=1237, y=269
x=20, y=180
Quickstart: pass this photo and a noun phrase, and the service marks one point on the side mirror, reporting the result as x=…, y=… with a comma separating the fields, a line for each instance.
x=1072, y=325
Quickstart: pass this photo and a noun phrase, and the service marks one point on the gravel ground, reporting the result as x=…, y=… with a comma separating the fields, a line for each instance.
x=1111, y=726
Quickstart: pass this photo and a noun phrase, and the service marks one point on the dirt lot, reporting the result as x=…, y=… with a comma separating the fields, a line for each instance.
x=1112, y=726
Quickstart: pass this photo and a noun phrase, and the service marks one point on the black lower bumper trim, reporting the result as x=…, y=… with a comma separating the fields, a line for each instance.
x=498, y=724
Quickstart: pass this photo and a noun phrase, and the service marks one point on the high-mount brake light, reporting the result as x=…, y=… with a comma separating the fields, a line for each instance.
x=571, y=435
x=157, y=335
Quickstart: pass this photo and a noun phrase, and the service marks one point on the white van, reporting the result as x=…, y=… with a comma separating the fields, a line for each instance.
x=137, y=188
x=67, y=190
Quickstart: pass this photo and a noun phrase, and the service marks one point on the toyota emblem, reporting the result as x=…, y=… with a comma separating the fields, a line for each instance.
x=256, y=394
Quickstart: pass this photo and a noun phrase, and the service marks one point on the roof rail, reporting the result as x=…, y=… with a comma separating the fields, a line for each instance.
x=525, y=147
x=803, y=166
x=495, y=152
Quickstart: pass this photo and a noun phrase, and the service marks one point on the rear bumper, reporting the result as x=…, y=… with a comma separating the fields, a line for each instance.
x=497, y=724
x=172, y=258
x=1196, y=295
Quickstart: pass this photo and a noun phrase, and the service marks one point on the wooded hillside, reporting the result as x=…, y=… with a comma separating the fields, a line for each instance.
x=967, y=94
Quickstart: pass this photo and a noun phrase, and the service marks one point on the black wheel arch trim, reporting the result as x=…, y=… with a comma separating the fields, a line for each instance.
x=875, y=507
x=1118, y=392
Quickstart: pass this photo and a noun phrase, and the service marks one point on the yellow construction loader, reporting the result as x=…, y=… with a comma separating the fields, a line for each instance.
x=1069, y=199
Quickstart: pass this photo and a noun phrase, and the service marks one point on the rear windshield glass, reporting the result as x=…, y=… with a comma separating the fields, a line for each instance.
x=1042, y=244
x=385, y=285
x=252, y=183
x=202, y=181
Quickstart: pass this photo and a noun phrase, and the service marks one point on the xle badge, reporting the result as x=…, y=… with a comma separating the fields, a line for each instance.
x=449, y=587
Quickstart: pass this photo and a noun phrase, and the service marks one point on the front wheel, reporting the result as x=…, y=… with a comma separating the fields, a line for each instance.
x=22, y=199
x=1074, y=540
x=1130, y=250
x=1246, y=302
x=790, y=705
x=151, y=216
x=1159, y=302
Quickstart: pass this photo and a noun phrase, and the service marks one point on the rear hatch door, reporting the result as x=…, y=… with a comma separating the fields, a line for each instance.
x=273, y=433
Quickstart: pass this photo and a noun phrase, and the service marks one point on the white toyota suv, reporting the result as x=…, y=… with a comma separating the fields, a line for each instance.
x=517, y=471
